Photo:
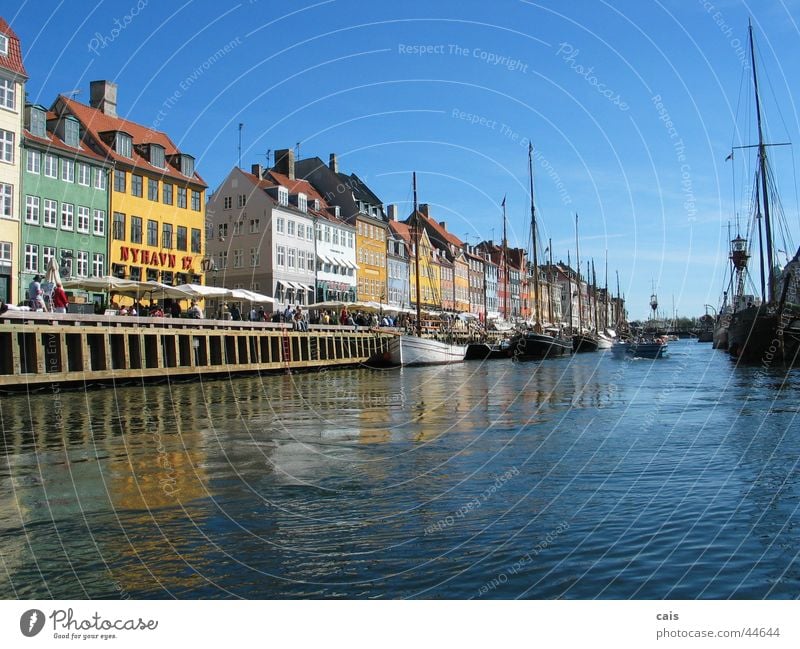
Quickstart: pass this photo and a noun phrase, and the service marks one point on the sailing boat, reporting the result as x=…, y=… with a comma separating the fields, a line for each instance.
x=414, y=349
x=604, y=341
x=770, y=331
x=582, y=341
x=535, y=343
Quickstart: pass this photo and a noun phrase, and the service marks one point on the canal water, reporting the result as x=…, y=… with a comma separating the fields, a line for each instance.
x=585, y=477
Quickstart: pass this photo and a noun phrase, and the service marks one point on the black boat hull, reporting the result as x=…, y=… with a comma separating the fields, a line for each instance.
x=582, y=343
x=486, y=352
x=532, y=346
x=756, y=336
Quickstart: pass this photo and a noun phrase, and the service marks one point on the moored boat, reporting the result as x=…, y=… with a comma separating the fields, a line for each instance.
x=655, y=348
x=531, y=345
x=415, y=350
x=484, y=351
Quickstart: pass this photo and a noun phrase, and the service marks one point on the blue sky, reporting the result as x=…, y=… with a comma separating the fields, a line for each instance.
x=453, y=89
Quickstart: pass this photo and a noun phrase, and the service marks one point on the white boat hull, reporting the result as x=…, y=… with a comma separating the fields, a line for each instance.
x=411, y=350
x=603, y=342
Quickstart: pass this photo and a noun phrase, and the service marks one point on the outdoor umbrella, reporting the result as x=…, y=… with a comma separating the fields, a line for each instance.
x=250, y=296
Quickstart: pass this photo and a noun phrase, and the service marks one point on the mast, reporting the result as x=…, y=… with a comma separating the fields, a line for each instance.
x=762, y=159
x=537, y=322
x=594, y=284
x=619, y=304
x=504, y=260
x=416, y=255
x=578, y=279
x=605, y=305
x=569, y=289
x=588, y=296
x=550, y=285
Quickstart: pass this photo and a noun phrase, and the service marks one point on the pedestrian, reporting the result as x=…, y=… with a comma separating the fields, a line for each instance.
x=235, y=313
x=195, y=311
x=175, y=309
x=60, y=301
x=261, y=316
x=36, y=294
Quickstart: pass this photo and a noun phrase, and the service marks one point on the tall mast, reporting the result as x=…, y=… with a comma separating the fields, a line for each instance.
x=605, y=305
x=619, y=304
x=416, y=256
x=504, y=260
x=588, y=295
x=762, y=159
x=594, y=284
x=550, y=285
x=578, y=279
x=537, y=322
x=569, y=289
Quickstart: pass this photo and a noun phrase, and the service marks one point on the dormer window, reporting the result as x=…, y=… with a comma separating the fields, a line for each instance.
x=71, y=132
x=123, y=144
x=157, y=155
x=336, y=211
x=302, y=202
x=3, y=44
x=187, y=165
x=283, y=196
x=38, y=123
x=315, y=204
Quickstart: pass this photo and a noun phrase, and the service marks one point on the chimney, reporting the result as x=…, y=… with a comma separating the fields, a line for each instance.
x=103, y=96
x=284, y=162
x=258, y=171
x=423, y=209
x=443, y=224
x=391, y=211
x=333, y=164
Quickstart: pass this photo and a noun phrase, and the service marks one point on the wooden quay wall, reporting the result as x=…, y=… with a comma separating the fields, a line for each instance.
x=47, y=348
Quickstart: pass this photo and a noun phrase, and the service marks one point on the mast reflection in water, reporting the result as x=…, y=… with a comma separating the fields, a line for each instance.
x=578, y=477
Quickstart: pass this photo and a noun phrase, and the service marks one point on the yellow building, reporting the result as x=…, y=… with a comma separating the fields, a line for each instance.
x=371, y=256
x=157, y=200
x=461, y=281
x=430, y=281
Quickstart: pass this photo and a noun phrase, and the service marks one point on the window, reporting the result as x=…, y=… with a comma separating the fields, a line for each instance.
x=227, y=202
x=32, y=209
x=335, y=236
x=223, y=231
x=242, y=200
x=301, y=231
x=350, y=240
x=281, y=256
x=31, y=258
x=71, y=132
x=301, y=259
x=237, y=228
x=309, y=233
x=223, y=259
x=291, y=258
x=48, y=253
x=187, y=166
x=237, y=258
x=136, y=185
x=166, y=235
x=254, y=257
x=119, y=181
x=182, y=197
x=254, y=226
x=195, y=201
x=100, y=179
x=136, y=273
x=5, y=251
x=290, y=228
x=7, y=94
x=123, y=144
x=84, y=174
x=118, y=231
x=34, y=159
x=83, y=219
x=3, y=44
x=302, y=202
x=310, y=261
x=280, y=224
x=83, y=263
x=50, y=165
x=152, y=189
x=99, y=224
x=6, y=146
x=50, y=213
x=196, y=240
x=157, y=156
x=182, y=243
x=67, y=171
x=319, y=232
x=98, y=264
x=166, y=194
x=136, y=229
x=67, y=216
x=283, y=196
x=152, y=233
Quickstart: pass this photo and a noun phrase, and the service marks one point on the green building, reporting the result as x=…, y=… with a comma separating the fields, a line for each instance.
x=64, y=200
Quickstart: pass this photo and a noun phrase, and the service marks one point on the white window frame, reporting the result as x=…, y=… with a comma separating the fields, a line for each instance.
x=8, y=93
x=84, y=174
x=67, y=216
x=3, y=44
x=254, y=257
x=100, y=180
x=32, y=204
x=82, y=263
x=289, y=228
x=280, y=257
x=83, y=218
x=7, y=200
x=67, y=170
x=238, y=258
x=50, y=165
x=283, y=196
x=33, y=162
x=280, y=225
x=48, y=253
x=99, y=222
x=98, y=264
x=6, y=146
x=6, y=250
x=50, y=213
x=31, y=259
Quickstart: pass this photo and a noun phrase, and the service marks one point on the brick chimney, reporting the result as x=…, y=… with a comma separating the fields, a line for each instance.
x=391, y=211
x=284, y=162
x=103, y=96
x=258, y=171
x=423, y=209
x=333, y=164
x=443, y=224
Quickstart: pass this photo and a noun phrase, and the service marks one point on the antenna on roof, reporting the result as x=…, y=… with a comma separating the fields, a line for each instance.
x=241, y=126
x=268, y=154
x=297, y=151
x=73, y=93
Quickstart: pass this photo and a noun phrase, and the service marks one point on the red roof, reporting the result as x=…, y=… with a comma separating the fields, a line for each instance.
x=296, y=186
x=267, y=183
x=442, y=236
x=95, y=121
x=52, y=141
x=401, y=230
x=13, y=60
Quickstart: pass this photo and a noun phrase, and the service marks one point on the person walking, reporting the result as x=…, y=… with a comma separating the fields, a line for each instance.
x=36, y=294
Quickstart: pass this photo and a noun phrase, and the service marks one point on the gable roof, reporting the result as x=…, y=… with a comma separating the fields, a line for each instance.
x=12, y=61
x=275, y=179
x=95, y=122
